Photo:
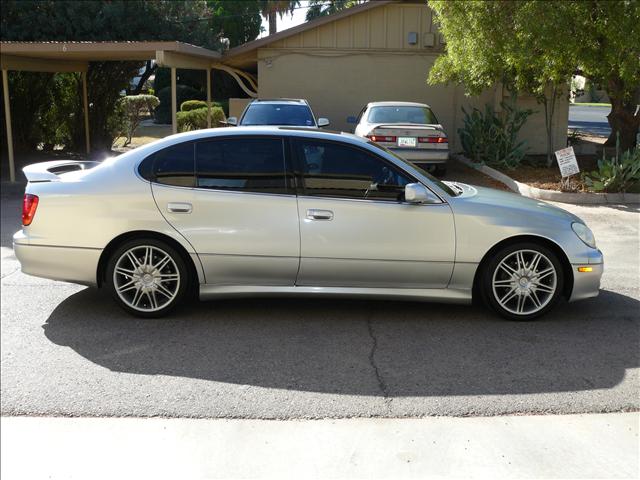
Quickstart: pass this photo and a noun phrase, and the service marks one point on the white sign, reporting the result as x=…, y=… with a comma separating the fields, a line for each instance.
x=567, y=162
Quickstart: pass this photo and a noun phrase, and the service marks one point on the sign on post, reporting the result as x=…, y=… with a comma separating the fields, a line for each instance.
x=567, y=162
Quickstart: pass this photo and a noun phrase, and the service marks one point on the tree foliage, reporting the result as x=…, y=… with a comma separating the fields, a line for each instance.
x=271, y=8
x=535, y=46
x=134, y=107
x=196, y=21
x=321, y=8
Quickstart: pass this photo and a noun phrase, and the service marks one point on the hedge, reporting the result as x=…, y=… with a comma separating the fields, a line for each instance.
x=196, y=104
x=197, y=119
x=183, y=93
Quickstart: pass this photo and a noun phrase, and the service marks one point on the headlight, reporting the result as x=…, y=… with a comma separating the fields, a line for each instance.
x=584, y=233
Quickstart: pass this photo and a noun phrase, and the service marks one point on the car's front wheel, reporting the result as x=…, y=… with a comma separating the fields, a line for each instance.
x=523, y=281
x=147, y=277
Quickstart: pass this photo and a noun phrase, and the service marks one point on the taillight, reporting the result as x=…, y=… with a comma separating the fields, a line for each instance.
x=381, y=138
x=433, y=140
x=29, y=205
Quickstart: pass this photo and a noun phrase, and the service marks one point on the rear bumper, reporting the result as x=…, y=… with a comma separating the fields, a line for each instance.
x=68, y=264
x=422, y=156
x=587, y=284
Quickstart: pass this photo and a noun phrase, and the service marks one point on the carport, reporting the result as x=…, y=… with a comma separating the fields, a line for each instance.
x=75, y=57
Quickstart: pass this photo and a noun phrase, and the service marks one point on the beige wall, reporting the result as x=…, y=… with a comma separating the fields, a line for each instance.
x=338, y=83
x=237, y=105
x=383, y=27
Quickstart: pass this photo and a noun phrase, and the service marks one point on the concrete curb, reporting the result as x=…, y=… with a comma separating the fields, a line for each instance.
x=543, y=446
x=586, y=198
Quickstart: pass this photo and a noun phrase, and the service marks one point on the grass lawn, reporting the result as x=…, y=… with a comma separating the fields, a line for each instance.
x=144, y=134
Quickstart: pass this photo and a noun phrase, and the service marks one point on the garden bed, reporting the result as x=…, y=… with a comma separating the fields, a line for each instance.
x=534, y=172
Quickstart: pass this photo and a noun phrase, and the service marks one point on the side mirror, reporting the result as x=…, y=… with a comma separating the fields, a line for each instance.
x=416, y=193
x=232, y=121
x=323, y=122
x=352, y=120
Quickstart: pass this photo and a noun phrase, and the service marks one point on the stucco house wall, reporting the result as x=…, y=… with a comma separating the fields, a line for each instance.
x=379, y=53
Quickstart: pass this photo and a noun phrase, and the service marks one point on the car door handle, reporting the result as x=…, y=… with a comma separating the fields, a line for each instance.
x=179, y=207
x=315, y=214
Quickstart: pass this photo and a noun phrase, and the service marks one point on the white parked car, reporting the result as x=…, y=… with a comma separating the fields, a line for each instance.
x=408, y=129
x=295, y=211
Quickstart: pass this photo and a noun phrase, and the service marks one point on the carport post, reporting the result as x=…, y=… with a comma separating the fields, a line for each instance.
x=209, y=98
x=7, y=121
x=85, y=103
x=174, y=100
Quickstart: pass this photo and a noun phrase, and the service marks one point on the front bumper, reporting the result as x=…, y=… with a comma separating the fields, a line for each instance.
x=68, y=264
x=587, y=284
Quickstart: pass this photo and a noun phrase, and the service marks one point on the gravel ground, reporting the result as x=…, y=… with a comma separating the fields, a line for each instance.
x=68, y=350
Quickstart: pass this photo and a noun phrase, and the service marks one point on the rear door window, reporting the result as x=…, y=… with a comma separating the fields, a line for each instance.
x=242, y=164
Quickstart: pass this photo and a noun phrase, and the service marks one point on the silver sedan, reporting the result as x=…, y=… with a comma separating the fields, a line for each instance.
x=283, y=211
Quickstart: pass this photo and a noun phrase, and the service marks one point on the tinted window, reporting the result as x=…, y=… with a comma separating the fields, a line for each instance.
x=241, y=164
x=440, y=184
x=278, y=114
x=171, y=166
x=390, y=114
x=335, y=170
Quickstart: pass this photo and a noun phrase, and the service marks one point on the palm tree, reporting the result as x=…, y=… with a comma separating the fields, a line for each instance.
x=320, y=8
x=270, y=8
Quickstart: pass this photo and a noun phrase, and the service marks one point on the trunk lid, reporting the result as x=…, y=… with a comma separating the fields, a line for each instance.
x=54, y=170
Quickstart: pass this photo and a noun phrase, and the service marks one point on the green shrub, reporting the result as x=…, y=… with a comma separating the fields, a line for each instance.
x=620, y=173
x=183, y=93
x=197, y=119
x=196, y=104
x=493, y=139
x=134, y=107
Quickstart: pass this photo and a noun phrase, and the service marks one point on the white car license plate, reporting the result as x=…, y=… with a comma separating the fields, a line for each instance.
x=407, y=141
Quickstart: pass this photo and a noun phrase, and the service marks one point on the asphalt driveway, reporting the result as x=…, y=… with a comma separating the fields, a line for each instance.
x=68, y=350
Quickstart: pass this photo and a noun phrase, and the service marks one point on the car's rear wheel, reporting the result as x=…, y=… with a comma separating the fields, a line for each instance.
x=523, y=281
x=147, y=277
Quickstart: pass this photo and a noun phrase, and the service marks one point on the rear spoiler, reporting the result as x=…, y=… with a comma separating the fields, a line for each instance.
x=405, y=125
x=49, y=171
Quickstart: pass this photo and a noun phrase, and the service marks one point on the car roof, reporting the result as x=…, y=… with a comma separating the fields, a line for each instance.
x=397, y=104
x=309, y=132
x=289, y=101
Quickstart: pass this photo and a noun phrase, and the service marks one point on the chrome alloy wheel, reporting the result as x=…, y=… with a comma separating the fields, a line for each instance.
x=524, y=282
x=146, y=278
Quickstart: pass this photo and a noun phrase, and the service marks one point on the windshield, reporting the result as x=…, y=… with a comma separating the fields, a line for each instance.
x=390, y=114
x=445, y=188
x=278, y=114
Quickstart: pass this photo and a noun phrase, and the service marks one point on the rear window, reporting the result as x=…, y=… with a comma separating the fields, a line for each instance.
x=171, y=166
x=275, y=114
x=391, y=114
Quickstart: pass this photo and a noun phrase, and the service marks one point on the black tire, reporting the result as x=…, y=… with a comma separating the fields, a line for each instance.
x=182, y=284
x=489, y=292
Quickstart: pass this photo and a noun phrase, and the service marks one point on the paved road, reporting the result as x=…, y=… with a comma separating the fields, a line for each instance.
x=590, y=119
x=67, y=350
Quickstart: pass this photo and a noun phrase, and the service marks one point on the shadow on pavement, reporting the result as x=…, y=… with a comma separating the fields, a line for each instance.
x=420, y=349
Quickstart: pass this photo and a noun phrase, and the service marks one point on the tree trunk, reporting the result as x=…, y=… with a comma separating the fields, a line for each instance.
x=624, y=117
x=549, y=104
x=273, y=26
x=149, y=70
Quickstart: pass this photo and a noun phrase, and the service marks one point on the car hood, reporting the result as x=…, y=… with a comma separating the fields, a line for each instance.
x=514, y=202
